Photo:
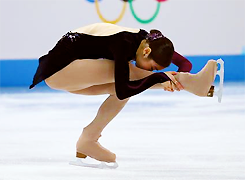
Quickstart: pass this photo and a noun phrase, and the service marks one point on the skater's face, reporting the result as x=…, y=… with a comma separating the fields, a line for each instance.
x=142, y=58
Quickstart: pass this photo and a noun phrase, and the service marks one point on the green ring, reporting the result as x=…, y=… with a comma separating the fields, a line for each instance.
x=142, y=20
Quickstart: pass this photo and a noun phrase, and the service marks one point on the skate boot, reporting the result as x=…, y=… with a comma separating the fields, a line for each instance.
x=91, y=154
x=200, y=84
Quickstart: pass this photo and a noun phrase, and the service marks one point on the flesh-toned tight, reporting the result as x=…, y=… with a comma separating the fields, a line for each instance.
x=96, y=77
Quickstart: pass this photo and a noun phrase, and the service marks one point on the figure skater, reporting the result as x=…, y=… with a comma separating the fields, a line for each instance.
x=95, y=59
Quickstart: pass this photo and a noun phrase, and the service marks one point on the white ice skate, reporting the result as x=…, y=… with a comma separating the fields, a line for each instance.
x=92, y=163
x=220, y=72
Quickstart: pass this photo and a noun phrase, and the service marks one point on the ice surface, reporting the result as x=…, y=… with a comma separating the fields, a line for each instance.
x=159, y=135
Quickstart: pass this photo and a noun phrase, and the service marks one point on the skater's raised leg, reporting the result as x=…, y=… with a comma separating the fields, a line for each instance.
x=198, y=84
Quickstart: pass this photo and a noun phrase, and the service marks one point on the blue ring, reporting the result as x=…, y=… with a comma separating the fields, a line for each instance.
x=92, y=1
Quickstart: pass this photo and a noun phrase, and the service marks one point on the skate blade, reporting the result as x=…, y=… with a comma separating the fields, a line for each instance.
x=220, y=73
x=92, y=163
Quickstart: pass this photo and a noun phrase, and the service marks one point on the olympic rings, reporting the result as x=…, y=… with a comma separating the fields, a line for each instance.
x=124, y=10
x=147, y=20
x=113, y=21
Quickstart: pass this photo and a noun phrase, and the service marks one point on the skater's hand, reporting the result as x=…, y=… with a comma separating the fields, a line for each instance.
x=173, y=84
x=169, y=86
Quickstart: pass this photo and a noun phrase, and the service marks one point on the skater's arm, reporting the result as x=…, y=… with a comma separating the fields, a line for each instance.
x=126, y=88
x=183, y=63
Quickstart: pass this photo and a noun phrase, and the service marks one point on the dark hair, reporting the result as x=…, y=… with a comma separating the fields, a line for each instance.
x=162, y=48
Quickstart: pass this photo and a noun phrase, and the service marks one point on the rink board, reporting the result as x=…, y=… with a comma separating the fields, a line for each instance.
x=20, y=72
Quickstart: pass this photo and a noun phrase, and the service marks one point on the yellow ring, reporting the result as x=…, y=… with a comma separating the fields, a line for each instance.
x=113, y=21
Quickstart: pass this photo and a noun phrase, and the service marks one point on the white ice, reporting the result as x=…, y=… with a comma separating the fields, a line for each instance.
x=158, y=136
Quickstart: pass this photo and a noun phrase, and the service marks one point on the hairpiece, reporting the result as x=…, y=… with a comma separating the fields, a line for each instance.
x=154, y=36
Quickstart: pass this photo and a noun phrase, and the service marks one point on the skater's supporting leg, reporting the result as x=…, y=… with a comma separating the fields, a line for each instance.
x=107, y=111
x=88, y=142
